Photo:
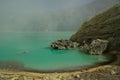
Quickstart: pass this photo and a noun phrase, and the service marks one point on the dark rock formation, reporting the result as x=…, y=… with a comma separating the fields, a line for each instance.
x=104, y=26
x=64, y=44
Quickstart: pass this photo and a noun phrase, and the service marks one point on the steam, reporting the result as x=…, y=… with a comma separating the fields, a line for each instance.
x=43, y=15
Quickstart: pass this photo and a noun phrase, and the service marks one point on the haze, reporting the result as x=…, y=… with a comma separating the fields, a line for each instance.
x=43, y=15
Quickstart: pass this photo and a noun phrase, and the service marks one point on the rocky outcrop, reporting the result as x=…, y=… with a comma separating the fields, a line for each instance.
x=64, y=44
x=97, y=46
x=104, y=26
x=84, y=46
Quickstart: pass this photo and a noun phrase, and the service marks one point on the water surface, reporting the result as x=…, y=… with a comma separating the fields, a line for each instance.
x=33, y=50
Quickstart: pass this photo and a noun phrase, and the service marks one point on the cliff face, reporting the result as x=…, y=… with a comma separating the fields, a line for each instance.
x=103, y=26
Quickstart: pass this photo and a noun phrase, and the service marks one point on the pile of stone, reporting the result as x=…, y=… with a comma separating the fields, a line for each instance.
x=97, y=46
x=64, y=44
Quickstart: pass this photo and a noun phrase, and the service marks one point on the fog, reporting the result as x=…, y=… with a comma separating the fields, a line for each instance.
x=48, y=15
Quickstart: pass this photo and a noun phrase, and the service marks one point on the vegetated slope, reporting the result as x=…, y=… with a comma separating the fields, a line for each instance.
x=71, y=18
x=103, y=26
x=97, y=6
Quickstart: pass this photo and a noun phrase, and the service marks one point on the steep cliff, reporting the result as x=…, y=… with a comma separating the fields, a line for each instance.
x=103, y=26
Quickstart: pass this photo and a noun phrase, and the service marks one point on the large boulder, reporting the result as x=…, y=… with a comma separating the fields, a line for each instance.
x=98, y=46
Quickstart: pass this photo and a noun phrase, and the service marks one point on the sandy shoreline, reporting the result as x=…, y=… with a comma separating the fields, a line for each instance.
x=105, y=71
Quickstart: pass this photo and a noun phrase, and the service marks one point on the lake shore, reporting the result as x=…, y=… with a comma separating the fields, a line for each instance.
x=109, y=71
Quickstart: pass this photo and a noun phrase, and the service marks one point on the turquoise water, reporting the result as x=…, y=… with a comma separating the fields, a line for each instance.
x=33, y=49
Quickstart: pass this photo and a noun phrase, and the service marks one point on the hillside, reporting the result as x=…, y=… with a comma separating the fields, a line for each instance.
x=103, y=26
x=72, y=18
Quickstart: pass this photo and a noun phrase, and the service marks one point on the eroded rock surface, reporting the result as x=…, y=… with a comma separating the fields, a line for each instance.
x=64, y=44
x=98, y=46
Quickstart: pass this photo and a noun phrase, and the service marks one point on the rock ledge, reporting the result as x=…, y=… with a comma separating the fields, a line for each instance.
x=64, y=44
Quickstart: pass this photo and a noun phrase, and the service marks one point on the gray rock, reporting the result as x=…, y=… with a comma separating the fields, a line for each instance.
x=85, y=46
x=64, y=44
x=98, y=46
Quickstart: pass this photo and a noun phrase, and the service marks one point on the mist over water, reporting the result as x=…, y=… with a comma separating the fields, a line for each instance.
x=47, y=15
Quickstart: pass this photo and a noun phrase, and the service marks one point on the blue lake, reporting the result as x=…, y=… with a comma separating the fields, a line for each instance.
x=33, y=50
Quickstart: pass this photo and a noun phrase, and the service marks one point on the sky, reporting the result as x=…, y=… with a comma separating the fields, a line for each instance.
x=37, y=14
x=48, y=4
x=38, y=6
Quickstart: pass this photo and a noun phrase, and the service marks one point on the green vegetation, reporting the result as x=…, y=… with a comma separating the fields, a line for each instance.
x=103, y=26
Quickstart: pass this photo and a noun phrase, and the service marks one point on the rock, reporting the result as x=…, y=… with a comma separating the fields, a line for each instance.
x=74, y=44
x=64, y=44
x=98, y=46
x=84, y=46
x=113, y=72
x=78, y=76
